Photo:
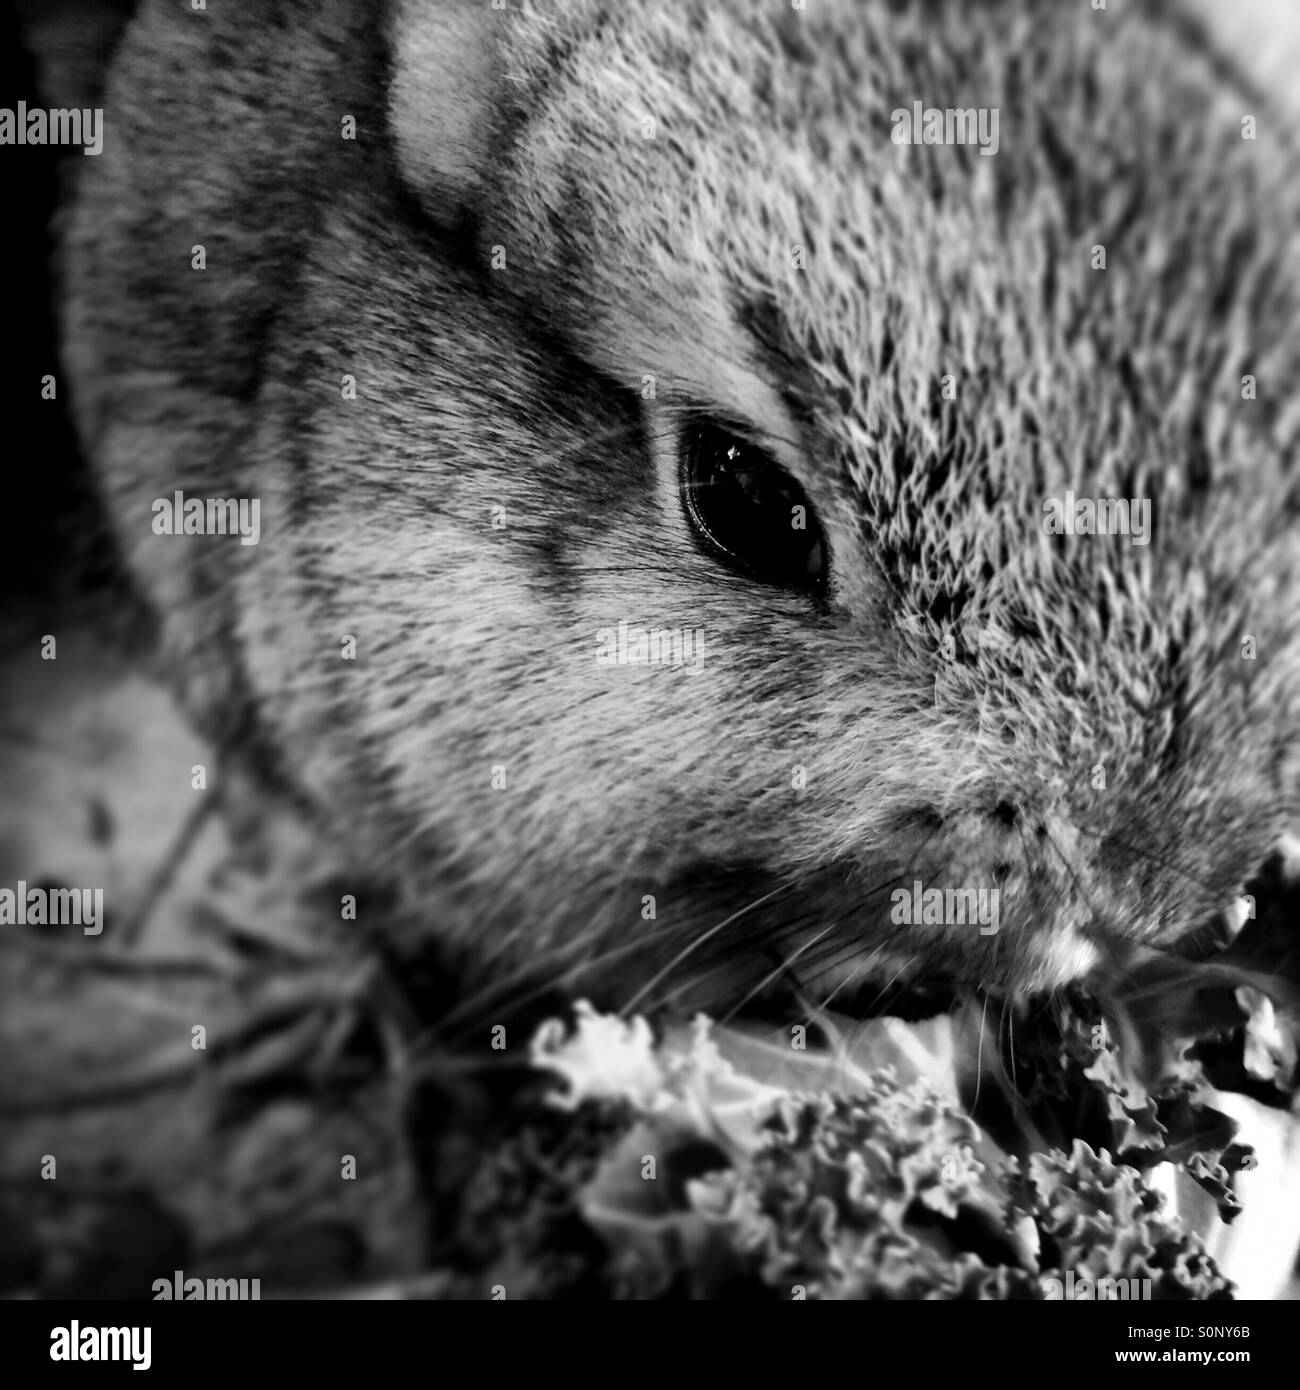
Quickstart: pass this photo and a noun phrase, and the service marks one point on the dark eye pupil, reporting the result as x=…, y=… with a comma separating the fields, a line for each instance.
x=751, y=510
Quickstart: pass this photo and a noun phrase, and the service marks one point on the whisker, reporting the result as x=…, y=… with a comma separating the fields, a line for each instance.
x=1011, y=1045
x=858, y=970
x=979, y=1057
x=1174, y=866
x=1069, y=869
x=781, y=969
x=906, y=965
x=696, y=944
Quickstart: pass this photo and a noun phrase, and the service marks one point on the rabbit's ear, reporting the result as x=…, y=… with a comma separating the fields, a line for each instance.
x=72, y=42
x=442, y=103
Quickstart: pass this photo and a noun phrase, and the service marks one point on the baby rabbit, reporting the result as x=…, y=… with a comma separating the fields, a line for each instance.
x=680, y=436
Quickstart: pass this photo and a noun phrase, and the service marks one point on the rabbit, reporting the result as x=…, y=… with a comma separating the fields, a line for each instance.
x=656, y=459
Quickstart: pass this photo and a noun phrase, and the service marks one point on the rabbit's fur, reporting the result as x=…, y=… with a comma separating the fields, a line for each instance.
x=536, y=291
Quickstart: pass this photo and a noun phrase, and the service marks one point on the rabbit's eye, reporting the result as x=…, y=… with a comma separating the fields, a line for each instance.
x=750, y=510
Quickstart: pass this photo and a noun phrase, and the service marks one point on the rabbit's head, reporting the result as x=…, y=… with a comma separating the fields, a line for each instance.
x=711, y=509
